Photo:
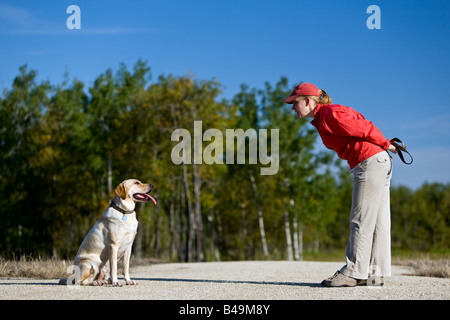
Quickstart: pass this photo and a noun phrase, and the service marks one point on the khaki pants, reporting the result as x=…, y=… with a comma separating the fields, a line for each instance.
x=369, y=247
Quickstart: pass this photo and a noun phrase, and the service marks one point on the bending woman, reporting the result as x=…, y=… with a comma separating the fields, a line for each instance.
x=358, y=141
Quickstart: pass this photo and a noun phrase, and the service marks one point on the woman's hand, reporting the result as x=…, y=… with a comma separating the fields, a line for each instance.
x=392, y=148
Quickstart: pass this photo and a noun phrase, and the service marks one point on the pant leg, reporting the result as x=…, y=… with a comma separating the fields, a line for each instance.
x=380, y=262
x=368, y=223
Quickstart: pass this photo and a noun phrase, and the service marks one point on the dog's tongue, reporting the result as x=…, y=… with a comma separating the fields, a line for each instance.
x=145, y=197
x=151, y=198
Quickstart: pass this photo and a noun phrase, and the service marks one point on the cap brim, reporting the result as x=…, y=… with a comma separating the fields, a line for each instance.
x=290, y=99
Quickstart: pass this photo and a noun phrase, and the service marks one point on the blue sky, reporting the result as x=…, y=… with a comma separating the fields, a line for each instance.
x=397, y=76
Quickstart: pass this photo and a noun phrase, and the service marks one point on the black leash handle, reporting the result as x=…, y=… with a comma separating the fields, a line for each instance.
x=401, y=148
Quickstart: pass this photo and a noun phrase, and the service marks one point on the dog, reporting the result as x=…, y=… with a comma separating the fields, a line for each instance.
x=111, y=238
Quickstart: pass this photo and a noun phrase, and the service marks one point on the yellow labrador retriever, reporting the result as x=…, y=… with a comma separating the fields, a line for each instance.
x=111, y=238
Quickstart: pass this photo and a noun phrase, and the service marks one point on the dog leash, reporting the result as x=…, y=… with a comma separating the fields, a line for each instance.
x=400, y=149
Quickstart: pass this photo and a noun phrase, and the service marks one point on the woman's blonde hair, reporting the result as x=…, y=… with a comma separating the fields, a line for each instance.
x=323, y=99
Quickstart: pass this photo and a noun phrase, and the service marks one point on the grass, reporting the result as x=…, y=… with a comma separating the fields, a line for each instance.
x=431, y=264
x=427, y=267
x=336, y=255
x=432, y=268
x=28, y=267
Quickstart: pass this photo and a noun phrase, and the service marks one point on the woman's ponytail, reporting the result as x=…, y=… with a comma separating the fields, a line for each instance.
x=325, y=99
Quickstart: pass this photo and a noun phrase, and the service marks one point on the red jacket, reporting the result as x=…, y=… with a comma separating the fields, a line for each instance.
x=347, y=132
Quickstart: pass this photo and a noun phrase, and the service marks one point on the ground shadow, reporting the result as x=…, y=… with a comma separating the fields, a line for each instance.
x=277, y=283
x=29, y=283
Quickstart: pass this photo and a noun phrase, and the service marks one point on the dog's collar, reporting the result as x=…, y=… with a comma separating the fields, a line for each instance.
x=115, y=206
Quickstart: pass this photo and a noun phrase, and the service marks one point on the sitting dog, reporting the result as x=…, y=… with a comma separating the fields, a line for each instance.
x=111, y=238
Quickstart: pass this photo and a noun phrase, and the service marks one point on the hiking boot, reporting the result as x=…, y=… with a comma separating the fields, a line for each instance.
x=339, y=280
x=373, y=281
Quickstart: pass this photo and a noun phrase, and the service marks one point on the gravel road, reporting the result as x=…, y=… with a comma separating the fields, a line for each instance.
x=255, y=280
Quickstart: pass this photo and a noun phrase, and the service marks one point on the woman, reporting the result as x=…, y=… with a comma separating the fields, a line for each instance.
x=358, y=141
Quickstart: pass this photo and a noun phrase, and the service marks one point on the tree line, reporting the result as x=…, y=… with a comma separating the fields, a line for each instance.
x=64, y=148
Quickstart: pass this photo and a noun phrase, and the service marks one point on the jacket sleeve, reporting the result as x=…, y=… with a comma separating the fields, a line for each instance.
x=350, y=123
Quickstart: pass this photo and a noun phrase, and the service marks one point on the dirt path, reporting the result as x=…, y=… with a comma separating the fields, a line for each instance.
x=256, y=280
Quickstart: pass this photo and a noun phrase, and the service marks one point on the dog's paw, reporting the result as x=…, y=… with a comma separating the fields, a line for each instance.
x=130, y=282
x=116, y=283
x=97, y=282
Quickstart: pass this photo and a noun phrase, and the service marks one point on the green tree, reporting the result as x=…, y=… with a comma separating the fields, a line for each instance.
x=67, y=168
x=21, y=188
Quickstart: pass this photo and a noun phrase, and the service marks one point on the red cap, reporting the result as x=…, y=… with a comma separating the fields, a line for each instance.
x=304, y=89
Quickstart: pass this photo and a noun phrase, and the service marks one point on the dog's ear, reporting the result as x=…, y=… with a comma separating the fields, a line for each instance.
x=121, y=191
